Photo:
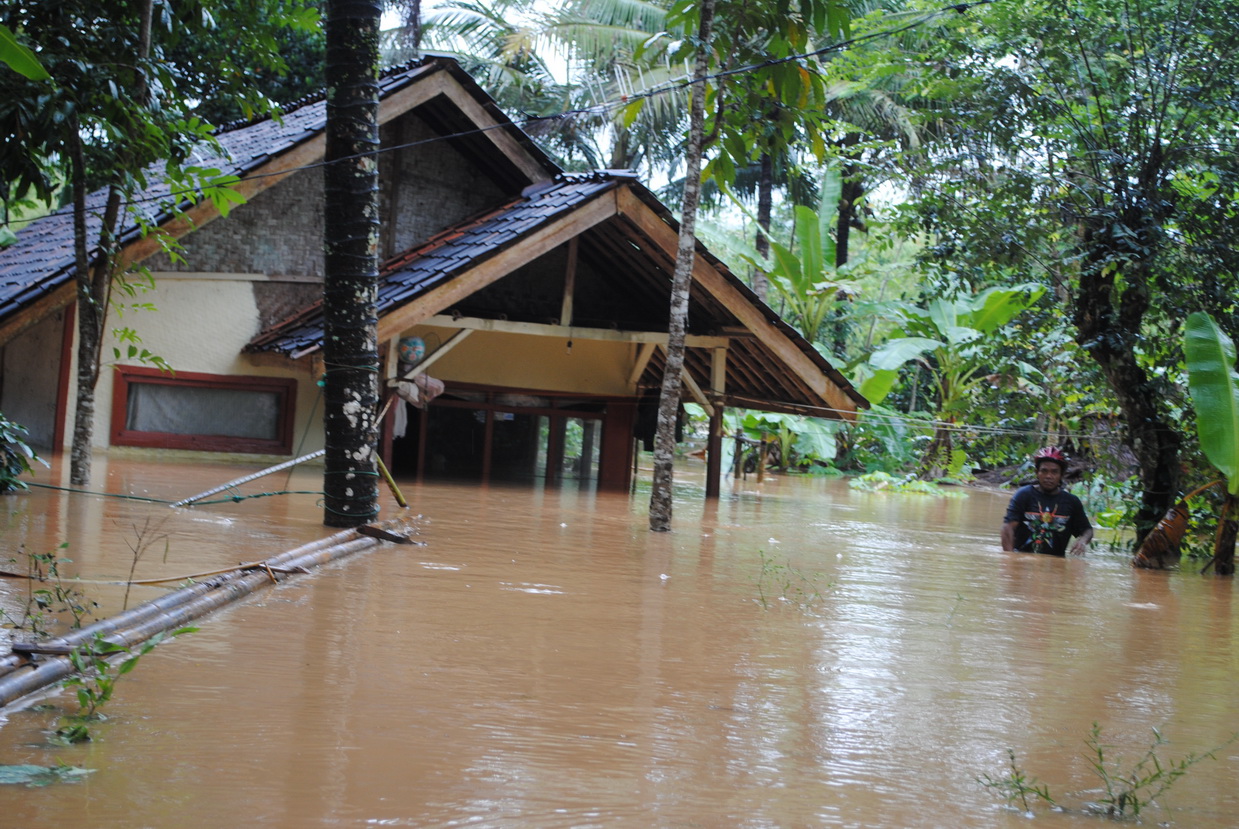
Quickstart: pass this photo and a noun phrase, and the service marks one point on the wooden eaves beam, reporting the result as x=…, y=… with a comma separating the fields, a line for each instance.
x=464, y=284
x=636, y=211
x=569, y=332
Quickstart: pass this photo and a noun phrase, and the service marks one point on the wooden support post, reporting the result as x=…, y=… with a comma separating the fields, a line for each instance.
x=714, y=452
x=555, y=449
x=738, y=465
x=761, y=460
x=714, y=444
x=565, y=312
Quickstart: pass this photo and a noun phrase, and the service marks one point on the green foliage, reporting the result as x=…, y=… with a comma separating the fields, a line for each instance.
x=803, y=273
x=954, y=340
x=1017, y=787
x=783, y=582
x=948, y=336
x=801, y=441
x=907, y=484
x=48, y=598
x=1210, y=356
x=98, y=665
x=1128, y=791
x=15, y=455
x=1109, y=503
x=1085, y=145
x=883, y=440
x=18, y=58
x=35, y=777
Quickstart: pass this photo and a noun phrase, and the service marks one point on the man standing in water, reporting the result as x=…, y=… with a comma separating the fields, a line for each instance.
x=1042, y=517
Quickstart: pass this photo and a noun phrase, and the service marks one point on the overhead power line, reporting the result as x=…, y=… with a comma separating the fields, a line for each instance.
x=597, y=109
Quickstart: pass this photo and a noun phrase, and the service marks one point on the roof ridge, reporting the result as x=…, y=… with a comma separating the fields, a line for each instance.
x=310, y=98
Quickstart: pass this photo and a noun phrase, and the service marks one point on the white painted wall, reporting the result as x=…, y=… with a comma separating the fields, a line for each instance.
x=201, y=323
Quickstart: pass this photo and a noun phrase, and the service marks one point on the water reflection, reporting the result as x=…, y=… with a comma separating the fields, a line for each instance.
x=546, y=661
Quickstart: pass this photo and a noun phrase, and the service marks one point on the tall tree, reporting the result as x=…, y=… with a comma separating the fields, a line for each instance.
x=734, y=50
x=350, y=284
x=1105, y=129
x=686, y=254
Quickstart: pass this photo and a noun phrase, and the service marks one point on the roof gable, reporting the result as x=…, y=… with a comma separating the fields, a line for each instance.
x=36, y=272
x=479, y=274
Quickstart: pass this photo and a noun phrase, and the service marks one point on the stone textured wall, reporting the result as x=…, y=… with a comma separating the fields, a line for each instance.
x=423, y=189
x=278, y=232
x=426, y=187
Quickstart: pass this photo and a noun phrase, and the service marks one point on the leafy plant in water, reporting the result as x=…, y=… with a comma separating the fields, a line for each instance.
x=44, y=603
x=785, y=582
x=15, y=455
x=98, y=665
x=1128, y=792
x=909, y=484
x=139, y=547
x=38, y=776
x=1210, y=356
x=1017, y=787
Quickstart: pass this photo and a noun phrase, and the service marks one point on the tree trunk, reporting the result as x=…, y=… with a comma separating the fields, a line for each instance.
x=92, y=304
x=94, y=286
x=1109, y=334
x=1224, y=541
x=669, y=400
x=350, y=241
x=765, y=207
x=852, y=190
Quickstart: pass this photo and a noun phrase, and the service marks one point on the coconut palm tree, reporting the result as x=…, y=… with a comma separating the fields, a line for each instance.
x=350, y=274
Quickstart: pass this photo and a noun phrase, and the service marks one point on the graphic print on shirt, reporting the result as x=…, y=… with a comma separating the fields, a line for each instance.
x=1043, y=525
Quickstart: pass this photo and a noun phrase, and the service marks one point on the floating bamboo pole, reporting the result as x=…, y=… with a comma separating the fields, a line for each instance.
x=247, y=478
x=21, y=676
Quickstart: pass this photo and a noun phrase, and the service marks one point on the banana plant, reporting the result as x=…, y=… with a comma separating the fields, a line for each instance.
x=1214, y=385
x=947, y=337
x=803, y=273
x=798, y=440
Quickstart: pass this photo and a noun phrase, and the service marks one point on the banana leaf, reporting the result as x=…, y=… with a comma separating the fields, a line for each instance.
x=19, y=58
x=1210, y=356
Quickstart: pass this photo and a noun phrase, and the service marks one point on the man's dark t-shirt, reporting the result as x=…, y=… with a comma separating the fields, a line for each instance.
x=1047, y=522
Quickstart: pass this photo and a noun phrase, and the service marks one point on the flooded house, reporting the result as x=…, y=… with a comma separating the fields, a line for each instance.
x=524, y=308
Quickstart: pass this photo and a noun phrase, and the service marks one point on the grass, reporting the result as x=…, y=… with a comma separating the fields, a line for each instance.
x=783, y=582
x=1126, y=791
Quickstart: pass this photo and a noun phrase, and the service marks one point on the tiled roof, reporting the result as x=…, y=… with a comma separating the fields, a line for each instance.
x=446, y=254
x=42, y=261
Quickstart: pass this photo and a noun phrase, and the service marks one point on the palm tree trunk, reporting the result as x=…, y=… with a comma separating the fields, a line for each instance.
x=765, y=207
x=669, y=400
x=350, y=239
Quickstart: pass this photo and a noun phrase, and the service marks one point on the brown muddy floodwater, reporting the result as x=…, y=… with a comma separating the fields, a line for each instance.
x=546, y=661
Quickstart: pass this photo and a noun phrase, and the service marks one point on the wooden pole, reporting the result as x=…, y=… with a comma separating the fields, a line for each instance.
x=19, y=676
x=714, y=453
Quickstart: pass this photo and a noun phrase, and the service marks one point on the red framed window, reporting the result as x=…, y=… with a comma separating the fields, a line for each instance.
x=210, y=412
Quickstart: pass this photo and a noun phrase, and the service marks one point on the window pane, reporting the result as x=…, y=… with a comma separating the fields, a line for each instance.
x=187, y=410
